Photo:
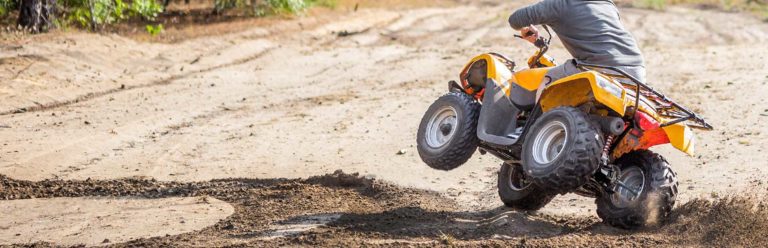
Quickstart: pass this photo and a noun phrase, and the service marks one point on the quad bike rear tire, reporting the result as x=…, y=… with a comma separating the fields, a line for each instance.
x=519, y=193
x=657, y=184
x=562, y=150
x=447, y=135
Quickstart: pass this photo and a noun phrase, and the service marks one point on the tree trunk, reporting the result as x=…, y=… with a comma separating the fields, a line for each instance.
x=93, y=16
x=36, y=15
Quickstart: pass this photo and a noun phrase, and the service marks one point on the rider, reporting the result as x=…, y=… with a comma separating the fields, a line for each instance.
x=590, y=30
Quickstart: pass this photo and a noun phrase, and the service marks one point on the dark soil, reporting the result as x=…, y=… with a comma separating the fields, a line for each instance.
x=373, y=213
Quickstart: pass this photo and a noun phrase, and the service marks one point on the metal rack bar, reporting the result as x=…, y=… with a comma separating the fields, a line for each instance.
x=691, y=115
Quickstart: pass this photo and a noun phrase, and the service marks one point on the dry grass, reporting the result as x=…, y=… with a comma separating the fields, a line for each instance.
x=757, y=7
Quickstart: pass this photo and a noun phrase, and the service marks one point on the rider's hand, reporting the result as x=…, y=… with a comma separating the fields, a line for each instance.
x=530, y=33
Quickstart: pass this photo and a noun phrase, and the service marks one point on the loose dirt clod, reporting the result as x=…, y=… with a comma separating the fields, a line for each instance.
x=729, y=221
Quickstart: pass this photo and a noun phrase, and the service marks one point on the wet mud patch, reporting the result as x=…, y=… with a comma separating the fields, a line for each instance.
x=342, y=209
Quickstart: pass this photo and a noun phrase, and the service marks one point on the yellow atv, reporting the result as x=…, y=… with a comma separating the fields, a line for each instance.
x=586, y=134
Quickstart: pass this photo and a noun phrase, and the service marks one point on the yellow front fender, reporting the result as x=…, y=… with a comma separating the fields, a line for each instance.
x=496, y=70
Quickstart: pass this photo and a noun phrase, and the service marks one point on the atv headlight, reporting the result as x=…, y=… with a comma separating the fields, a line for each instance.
x=612, y=88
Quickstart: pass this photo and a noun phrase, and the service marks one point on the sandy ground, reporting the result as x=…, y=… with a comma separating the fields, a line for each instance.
x=96, y=221
x=309, y=96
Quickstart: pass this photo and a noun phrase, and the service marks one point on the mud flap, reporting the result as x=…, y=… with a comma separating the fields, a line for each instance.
x=497, y=123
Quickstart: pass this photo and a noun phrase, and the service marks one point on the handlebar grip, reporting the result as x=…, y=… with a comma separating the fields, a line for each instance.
x=529, y=33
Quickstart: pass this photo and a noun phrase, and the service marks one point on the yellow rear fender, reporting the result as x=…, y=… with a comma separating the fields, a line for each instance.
x=583, y=87
x=681, y=137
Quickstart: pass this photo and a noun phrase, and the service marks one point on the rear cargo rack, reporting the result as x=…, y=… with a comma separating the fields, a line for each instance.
x=665, y=106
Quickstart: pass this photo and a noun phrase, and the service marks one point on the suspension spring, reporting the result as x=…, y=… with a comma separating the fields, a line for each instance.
x=606, y=148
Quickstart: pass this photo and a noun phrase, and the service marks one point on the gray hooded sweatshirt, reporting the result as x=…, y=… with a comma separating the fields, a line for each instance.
x=590, y=30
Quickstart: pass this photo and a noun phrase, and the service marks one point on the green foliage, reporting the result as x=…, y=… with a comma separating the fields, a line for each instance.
x=101, y=12
x=96, y=13
x=155, y=29
x=221, y=5
x=147, y=9
x=7, y=5
x=104, y=11
x=287, y=6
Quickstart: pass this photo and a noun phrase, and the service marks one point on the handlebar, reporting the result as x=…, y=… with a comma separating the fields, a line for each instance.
x=541, y=42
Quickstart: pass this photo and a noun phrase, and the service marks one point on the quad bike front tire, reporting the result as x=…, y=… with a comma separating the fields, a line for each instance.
x=519, y=193
x=648, y=174
x=447, y=135
x=562, y=150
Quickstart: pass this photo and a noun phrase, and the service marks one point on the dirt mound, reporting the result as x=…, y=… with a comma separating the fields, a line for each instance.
x=731, y=221
x=339, y=178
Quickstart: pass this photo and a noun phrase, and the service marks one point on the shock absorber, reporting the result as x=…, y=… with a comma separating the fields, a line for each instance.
x=606, y=149
x=610, y=171
x=607, y=175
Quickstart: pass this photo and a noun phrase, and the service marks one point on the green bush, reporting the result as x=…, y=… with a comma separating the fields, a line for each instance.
x=6, y=6
x=287, y=6
x=104, y=11
x=155, y=29
x=95, y=13
x=147, y=9
x=101, y=12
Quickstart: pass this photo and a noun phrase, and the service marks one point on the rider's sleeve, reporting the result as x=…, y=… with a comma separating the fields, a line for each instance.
x=544, y=12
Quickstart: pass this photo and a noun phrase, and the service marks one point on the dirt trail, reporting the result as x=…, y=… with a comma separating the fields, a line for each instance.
x=306, y=97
